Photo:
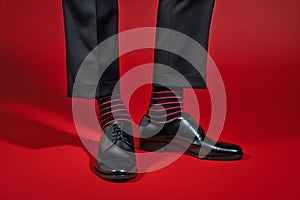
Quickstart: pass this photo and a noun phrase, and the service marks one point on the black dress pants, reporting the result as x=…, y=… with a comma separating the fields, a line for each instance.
x=89, y=22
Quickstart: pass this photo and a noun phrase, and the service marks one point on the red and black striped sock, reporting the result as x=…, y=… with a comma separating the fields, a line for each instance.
x=165, y=105
x=112, y=108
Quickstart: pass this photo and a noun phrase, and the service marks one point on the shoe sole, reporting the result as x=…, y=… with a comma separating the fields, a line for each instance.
x=161, y=147
x=116, y=177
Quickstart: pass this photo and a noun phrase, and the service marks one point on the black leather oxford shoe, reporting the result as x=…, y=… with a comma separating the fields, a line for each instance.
x=190, y=139
x=115, y=159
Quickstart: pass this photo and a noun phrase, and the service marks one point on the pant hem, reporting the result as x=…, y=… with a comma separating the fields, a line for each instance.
x=90, y=90
x=182, y=81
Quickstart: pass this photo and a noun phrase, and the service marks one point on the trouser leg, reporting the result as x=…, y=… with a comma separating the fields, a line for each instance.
x=190, y=17
x=88, y=23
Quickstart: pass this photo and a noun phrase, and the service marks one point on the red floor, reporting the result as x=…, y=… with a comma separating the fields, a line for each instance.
x=44, y=162
x=257, y=55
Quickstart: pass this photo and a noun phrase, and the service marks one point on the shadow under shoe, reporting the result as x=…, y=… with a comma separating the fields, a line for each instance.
x=115, y=159
x=191, y=141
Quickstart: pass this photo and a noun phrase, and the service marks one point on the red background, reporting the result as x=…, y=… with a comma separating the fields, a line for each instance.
x=256, y=47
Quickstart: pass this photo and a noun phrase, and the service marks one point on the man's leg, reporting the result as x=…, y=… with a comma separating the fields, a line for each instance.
x=87, y=24
x=192, y=18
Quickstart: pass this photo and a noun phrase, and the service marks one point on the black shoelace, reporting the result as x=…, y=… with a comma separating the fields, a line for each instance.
x=119, y=134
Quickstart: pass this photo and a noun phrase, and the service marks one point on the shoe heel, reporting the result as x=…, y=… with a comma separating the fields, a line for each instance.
x=147, y=145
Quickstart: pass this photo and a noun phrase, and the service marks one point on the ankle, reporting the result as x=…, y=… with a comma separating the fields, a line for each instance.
x=111, y=109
